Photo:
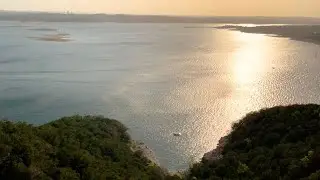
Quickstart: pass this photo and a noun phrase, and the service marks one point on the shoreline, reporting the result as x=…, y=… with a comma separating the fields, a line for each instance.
x=147, y=152
x=304, y=33
x=216, y=153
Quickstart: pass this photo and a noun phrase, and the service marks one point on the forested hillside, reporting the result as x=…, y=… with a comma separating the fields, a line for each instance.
x=277, y=143
x=72, y=148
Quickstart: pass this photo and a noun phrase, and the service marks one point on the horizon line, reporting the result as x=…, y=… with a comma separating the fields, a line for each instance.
x=163, y=15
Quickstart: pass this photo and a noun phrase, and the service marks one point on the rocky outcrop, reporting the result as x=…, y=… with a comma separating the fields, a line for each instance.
x=145, y=150
x=216, y=153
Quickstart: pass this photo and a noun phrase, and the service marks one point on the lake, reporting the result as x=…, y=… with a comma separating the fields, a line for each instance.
x=157, y=79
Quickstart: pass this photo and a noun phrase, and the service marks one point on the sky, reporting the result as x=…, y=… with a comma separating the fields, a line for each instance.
x=308, y=8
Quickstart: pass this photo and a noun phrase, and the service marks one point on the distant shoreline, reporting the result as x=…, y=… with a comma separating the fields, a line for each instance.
x=305, y=33
x=127, y=18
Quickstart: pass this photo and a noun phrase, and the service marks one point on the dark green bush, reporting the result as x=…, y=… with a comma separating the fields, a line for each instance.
x=276, y=143
x=71, y=148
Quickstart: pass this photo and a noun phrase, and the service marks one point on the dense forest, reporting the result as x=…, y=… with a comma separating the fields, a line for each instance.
x=276, y=143
x=72, y=148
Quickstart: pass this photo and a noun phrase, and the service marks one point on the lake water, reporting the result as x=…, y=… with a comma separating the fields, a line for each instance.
x=157, y=79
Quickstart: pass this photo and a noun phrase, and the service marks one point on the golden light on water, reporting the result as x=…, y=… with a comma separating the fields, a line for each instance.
x=249, y=65
x=232, y=92
x=249, y=59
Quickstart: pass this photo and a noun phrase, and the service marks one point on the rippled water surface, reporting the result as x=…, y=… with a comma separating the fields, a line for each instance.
x=155, y=78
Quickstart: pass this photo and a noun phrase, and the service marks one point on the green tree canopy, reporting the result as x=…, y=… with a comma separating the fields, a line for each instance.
x=276, y=143
x=71, y=148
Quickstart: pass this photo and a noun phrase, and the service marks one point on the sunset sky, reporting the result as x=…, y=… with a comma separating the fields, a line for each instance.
x=172, y=7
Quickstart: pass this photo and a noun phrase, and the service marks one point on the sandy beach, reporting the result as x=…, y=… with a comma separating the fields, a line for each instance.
x=306, y=33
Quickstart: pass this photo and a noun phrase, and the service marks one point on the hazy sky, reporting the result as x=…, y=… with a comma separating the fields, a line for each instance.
x=173, y=7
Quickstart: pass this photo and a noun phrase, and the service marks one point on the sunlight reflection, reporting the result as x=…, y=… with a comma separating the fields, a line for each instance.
x=249, y=59
x=249, y=67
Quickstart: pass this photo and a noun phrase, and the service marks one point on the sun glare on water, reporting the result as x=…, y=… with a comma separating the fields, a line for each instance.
x=249, y=62
x=249, y=65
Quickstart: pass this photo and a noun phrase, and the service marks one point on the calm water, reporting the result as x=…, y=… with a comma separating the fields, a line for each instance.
x=155, y=78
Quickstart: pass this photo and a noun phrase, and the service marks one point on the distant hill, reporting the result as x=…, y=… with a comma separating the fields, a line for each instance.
x=122, y=18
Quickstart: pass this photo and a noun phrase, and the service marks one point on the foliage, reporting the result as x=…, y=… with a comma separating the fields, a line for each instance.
x=72, y=148
x=276, y=143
